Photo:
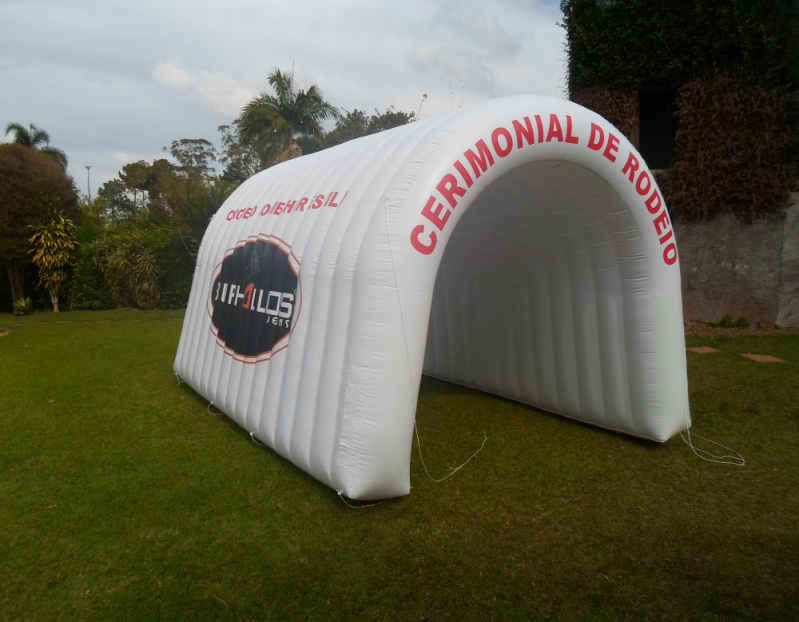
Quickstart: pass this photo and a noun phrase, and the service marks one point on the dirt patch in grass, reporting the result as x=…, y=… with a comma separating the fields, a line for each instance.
x=703, y=350
x=762, y=358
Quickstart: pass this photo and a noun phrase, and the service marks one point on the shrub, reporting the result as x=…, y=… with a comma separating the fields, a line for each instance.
x=725, y=322
x=742, y=322
x=24, y=306
x=89, y=289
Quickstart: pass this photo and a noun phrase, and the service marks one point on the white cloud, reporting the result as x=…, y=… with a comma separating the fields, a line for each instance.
x=110, y=80
x=488, y=36
x=458, y=64
x=492, y=47
x=217, y=89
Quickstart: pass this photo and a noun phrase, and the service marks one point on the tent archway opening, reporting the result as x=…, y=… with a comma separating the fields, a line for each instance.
x=530, y=294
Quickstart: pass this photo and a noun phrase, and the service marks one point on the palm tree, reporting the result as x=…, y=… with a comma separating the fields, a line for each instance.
x=36, y=138
x=290, y=112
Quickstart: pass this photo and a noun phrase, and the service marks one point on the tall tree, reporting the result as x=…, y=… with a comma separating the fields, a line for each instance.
x=194, y=155
x=389, y=119
x=139, y=240
x=244, y=157
x=289, y=113
x=36, y=138
x=356, y=124
x=53, y=246
x=27, y=179
x=349, y=126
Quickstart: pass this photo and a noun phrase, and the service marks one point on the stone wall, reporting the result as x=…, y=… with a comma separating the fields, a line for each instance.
x=737, y=269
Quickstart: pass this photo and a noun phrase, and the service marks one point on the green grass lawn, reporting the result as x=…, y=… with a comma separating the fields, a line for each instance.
x=121, y=498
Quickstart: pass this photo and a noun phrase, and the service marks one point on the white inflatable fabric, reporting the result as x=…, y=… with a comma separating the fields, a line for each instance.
x=519, y=246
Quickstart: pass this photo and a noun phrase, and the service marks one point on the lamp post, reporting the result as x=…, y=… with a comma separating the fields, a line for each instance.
x=88, y=183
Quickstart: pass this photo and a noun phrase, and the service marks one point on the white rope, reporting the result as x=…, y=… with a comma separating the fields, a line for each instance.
x=419, y=447
x=255, y=440
x=211, y=403
x=735, y=458
x=366, y=505
x=180, y=382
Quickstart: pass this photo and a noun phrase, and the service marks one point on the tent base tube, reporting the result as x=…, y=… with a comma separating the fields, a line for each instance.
x=344, y=498
x=557, y=414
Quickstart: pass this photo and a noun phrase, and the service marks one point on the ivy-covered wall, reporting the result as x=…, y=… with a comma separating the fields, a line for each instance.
x=735, y=66
x=734, y=146
x=637, y=44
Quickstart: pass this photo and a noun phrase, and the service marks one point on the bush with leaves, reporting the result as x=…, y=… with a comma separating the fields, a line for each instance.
x=24, y=306
x=53, y=245
x=126, y=259
x=90, y=290
x=141, y=236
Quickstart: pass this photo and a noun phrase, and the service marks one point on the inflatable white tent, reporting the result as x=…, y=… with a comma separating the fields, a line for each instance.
x=520, y=246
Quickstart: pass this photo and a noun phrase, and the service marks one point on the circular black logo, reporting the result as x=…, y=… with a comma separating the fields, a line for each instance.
x=254, y=295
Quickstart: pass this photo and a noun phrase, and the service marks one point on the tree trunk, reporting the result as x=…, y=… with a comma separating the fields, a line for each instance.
x=54, y=300
x=290, y=152
x=16, y=276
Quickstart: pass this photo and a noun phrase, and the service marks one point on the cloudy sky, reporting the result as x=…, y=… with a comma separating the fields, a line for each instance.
x=115, y=81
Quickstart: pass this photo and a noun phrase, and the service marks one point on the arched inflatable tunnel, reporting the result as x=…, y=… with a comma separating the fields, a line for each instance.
x=519, y=246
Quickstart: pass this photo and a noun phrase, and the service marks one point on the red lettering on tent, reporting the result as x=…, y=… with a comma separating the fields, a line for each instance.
x=278, y=208
x=570, y=138
x=266, y=209
x=540, y=125
x=667, y=237
x=555, y=130
x=597, y=137
x=482, y=161
x=231, y=215
x=462, y=170
x=434, y=215
x=643, y=175
x=301, y=205
x=502, y=151
x=332, y=198
x=654, y=202
x=661, y=222
x=290, y=206
x=670, y=254
x=425, y=249
x=612, y=147
x=448, y=186
x=632, y=165
x=317, y=202
x=525, y=130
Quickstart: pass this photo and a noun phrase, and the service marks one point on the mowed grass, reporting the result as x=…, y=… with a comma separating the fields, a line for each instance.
x=121, y=498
